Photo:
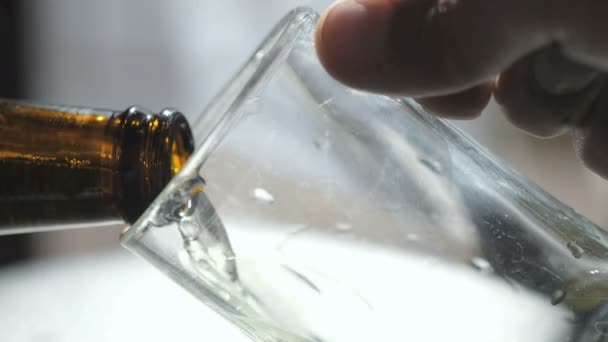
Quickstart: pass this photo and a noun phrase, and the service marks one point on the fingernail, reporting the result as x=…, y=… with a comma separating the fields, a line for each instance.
x=353, y=34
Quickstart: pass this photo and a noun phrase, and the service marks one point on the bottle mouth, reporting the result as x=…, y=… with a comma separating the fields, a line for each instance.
x=154, y=148
x=178, y=144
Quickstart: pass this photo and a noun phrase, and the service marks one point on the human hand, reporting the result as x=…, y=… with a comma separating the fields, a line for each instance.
x=543, y=61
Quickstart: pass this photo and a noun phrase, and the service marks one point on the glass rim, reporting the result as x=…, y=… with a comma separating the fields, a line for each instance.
x=224, y=110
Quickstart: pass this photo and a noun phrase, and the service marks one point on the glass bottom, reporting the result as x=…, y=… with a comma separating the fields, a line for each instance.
x=299, y=284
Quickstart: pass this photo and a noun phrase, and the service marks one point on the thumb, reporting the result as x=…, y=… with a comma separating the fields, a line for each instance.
x=427, y=47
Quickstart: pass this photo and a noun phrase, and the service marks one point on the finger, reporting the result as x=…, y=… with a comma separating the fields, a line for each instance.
x=591, y=140
x=533, y=103
x=425, y=48
x=467, y=104
x=582, y=31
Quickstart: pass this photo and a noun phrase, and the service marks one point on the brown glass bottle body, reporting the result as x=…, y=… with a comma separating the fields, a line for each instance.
x=64, y=166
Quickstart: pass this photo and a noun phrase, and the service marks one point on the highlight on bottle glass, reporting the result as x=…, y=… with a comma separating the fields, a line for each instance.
x=313, y=212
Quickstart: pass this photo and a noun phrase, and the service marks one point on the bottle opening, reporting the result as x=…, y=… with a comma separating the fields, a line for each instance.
x=154, y=148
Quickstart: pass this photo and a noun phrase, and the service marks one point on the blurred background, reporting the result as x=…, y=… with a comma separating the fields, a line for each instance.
x=165, y=53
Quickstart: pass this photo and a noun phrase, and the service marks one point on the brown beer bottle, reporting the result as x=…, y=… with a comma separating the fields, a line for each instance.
x=69, y=166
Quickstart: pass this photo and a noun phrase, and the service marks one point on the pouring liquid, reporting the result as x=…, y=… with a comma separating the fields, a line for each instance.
x=281, y=284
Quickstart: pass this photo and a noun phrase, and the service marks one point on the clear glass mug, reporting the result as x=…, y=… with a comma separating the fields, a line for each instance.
x=314, y=212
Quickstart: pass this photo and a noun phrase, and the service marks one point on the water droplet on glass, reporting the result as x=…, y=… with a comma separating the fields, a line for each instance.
x=262, y=196
x=413, y=237
x=344, y=226
x=432, y=165
x=594, y=272
x=575, y=249
x=260, y=54
x=322, y=144
x=481, y=264
x=558, y=296
x=326, y=102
